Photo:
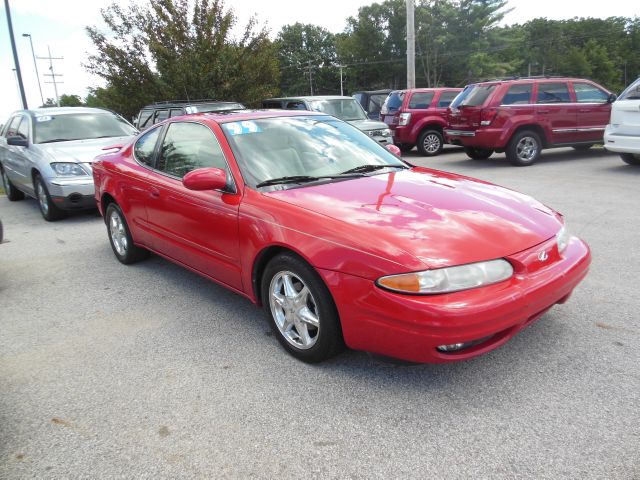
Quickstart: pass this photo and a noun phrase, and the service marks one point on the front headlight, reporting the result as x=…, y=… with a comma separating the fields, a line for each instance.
x=562, y=238
x=68, y=169
x=450, y=279
x=386, y=132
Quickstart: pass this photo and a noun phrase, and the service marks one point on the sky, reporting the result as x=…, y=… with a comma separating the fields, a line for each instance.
x=60, y=25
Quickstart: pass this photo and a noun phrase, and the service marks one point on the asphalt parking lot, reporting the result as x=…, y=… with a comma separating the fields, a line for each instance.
x=150, y=371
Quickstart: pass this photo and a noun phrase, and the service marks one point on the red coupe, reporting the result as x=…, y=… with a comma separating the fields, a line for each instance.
x=341, y=241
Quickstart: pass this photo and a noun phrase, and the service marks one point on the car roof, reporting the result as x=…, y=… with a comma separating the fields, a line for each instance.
x=426, y=89
x=373, y=92
x=532, y=79
x=241, y=115
x=61, y=111
x=311, y=97
x=186, y=103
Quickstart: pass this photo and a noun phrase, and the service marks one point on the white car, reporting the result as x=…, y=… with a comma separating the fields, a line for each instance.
x=622, y=135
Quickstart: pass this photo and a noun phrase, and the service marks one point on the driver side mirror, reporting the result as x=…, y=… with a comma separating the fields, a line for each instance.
x=612, y=98
x=17, y=141
x=205, y=179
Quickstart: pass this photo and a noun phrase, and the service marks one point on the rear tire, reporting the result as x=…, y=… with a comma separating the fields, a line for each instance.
x=301, y=310
x=478, y=153
x=524, y=148
x=13, y=194
x=49, y=210
x=430, y=143
x=120, y=237
x=631, y=158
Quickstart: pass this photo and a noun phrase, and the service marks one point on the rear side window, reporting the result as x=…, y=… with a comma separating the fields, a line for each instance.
x=556, y=92
x=473, y=96
x=145, y=118
x=146, y=144
x=175, y=112
x=187, y=146
x=587, y=93
x=446, y=98
x=392, y=103
x=271, y=105
x=421, y=100
x=518, y=93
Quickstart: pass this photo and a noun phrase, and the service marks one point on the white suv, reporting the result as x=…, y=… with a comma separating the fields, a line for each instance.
x=622, y=135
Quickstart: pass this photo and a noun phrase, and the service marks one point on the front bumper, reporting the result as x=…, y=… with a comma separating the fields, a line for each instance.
x=412, y=327
x=616, y=142
x=72, y=193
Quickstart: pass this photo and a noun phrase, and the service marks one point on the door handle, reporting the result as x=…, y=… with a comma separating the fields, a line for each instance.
x=154, y=192
x=544, y=111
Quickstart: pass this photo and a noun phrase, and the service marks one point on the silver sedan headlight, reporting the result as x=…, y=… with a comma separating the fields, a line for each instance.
x=68, y=169
x=449, y=279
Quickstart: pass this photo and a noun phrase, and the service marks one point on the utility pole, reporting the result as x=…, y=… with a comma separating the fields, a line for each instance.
x=35, y=64
x=15, y=55
x=341, y=90
x=411, y=45
x=310, y=79
x=53, y=74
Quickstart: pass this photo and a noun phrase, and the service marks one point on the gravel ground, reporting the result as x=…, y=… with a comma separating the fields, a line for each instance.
x=150, y=371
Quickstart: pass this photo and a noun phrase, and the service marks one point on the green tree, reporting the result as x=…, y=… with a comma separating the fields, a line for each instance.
x=300, y=48
x=169, y=49
x=65, y=101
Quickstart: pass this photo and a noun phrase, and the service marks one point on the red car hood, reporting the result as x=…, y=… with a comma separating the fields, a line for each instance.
x=440, y=219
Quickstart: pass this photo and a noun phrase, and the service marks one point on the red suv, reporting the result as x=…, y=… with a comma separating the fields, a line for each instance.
x=417, y=117
x=522, y=116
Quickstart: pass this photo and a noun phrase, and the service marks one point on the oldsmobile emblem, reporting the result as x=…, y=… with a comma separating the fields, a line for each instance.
x=543, y=255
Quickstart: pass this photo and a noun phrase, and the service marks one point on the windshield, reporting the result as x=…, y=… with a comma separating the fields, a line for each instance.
x=347, y=109
x=302, y=146
x=632, y=92
x=216, y=107
x=472, y=96
x=79, y=126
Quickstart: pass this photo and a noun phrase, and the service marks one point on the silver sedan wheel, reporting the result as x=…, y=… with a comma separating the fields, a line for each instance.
x=118, y=233
x=527, y=148
x=431, y=143
x=294, y=310
x=43, y=201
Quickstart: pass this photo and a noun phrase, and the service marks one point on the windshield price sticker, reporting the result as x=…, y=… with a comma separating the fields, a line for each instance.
x=241, y=128
x=44, y=118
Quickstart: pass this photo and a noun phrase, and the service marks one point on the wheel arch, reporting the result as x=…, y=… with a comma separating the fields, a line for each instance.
x=535, y=128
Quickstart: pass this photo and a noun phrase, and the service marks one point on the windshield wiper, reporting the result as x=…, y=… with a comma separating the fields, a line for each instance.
x=289, y=179
x=59, y=140
x=370, y=168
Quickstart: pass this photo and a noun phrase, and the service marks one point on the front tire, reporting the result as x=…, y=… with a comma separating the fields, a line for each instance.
x=524, y=148
x=49, y=210
x=430, y=143
x=13, y=194
x=478, y=153
x=120, y=237
x=301, y=311
x=631, y=158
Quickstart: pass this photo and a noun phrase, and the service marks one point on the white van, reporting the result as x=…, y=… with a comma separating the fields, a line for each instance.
x=622, y=135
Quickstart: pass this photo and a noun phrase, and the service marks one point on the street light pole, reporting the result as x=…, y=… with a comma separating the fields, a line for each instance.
x=15, y=55
x=411, y=45
x=35, y=64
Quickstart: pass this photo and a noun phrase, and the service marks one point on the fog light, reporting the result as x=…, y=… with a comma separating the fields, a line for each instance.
x=451, y=348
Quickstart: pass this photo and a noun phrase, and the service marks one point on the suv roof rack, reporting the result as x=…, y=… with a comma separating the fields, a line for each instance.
x=517, y=77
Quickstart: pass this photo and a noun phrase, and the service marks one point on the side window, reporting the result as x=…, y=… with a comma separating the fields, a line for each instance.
x=519, y=93
x=587, y=93
x=12, y=130
x=446, y=98
x=161, y=115
x=145, y=118
x=271, y=105
x=146, y=144
x=175, y=112
x=23, y=129
x=187, y=146
x=421, y=100
x=296, y=106
x=556, y=92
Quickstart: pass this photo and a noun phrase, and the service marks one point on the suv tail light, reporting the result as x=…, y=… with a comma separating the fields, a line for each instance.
x=405, y=118
x=487, y=115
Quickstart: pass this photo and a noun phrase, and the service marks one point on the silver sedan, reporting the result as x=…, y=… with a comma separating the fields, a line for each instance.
x=47, y=154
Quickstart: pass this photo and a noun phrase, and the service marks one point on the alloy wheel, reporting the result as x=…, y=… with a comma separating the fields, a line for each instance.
x=431, y=143
x=294, y=310
x=118, y=233
x=527, y=148
x=43, y=201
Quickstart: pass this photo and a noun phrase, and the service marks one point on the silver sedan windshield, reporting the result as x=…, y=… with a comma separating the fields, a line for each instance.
x=79, y=126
